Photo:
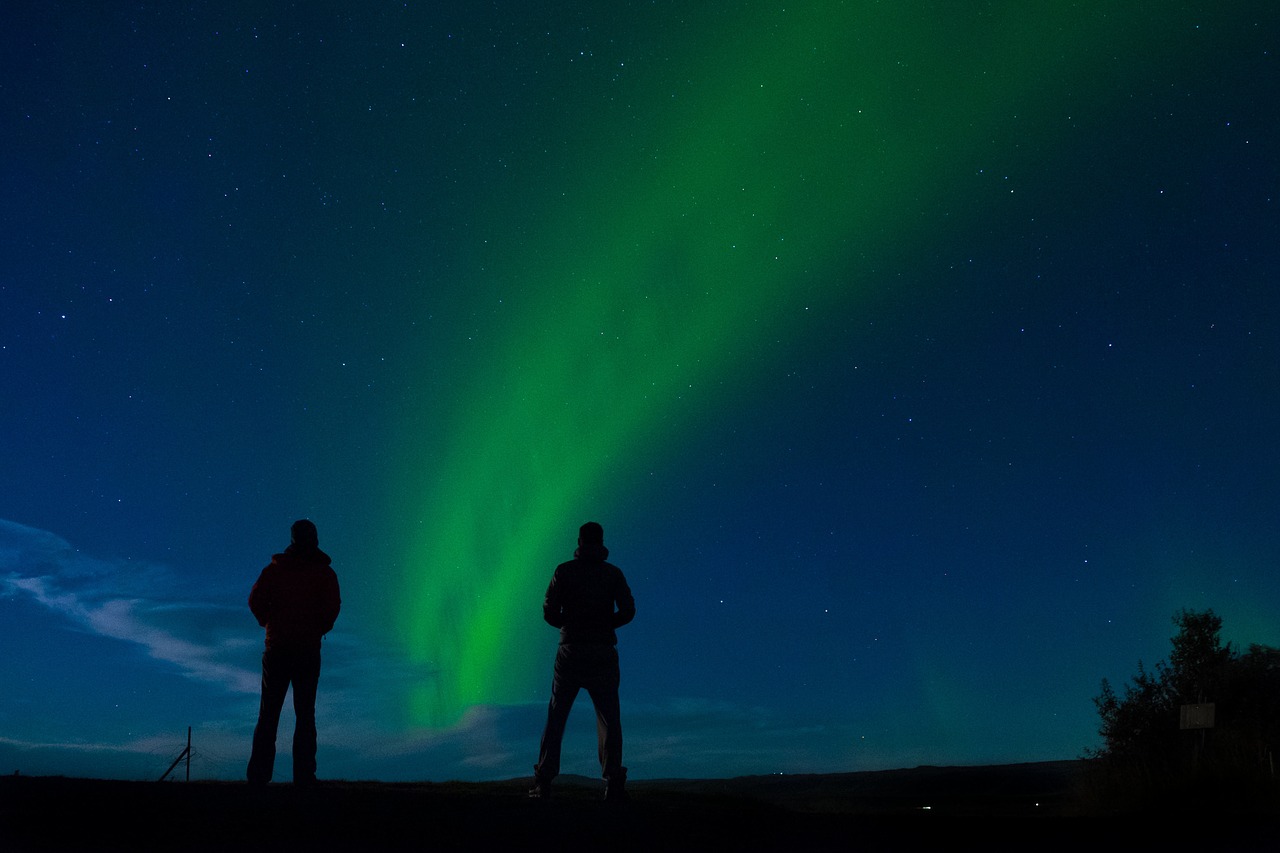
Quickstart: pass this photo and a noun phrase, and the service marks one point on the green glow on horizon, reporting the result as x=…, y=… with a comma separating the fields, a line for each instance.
x=816, y=140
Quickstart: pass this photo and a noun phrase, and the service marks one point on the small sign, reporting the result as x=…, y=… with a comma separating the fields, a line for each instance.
x=1197, y=716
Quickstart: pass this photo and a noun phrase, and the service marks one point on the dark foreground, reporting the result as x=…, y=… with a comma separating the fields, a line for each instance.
x=1021, y=807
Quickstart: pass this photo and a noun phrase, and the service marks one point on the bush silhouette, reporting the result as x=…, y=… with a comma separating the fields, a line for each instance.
x=1149, y=760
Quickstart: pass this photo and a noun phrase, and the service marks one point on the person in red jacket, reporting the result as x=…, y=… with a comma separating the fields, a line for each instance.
x=296, y=599
x=587, y=599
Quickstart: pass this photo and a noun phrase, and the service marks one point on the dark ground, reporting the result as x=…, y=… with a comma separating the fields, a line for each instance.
x=1024, y=807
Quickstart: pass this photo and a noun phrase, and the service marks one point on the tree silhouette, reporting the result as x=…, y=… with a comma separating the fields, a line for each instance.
x=1147, y=757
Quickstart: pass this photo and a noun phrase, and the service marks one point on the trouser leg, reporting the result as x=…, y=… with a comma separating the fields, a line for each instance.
x=275, y=683
x=564, y=689
x=603, y=689
x=608, y=731
x=306, y=681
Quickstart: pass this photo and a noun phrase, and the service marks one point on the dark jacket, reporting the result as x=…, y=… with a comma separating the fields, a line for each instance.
x=588, y=598
x=296, y=598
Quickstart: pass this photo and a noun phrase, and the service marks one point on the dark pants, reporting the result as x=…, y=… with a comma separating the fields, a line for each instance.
x=595, y=668
x=280, y=668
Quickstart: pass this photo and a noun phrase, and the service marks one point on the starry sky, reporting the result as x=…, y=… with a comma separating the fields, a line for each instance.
x=920, y=360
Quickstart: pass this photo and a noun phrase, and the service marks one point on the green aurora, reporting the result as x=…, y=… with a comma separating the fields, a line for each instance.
x=753, y=184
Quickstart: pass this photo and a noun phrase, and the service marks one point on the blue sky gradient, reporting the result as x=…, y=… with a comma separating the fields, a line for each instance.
x=921, y=362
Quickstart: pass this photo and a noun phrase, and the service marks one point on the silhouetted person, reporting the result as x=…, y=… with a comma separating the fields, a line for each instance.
x=296, y=599
x=586, y=599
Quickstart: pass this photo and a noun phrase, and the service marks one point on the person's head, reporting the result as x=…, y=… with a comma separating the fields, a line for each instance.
x=303, y=535
x=591, y=533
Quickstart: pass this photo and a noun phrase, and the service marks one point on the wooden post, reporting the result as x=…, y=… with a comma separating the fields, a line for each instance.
x=186, y=753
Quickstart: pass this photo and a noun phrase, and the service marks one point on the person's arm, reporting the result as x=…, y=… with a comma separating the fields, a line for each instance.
x=552, y=605
x=626, y=603
x=261, y=598
x=332, y=602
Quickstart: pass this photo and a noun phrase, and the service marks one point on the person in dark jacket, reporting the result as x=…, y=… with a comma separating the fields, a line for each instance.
x=296, y=599
x=587, y=599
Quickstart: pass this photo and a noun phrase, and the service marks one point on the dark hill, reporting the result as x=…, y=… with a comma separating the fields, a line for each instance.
x=1014, y=807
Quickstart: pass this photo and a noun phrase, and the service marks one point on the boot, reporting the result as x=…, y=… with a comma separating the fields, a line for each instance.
x=615, y=786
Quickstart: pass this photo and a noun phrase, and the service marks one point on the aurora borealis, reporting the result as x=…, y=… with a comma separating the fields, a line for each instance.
x=917, y=358
x=741, y=213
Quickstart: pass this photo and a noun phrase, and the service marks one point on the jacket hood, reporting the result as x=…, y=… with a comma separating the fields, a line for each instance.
x=592, y=551
x=295, y=556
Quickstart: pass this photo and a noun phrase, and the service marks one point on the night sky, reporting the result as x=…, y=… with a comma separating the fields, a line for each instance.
x=920, y=360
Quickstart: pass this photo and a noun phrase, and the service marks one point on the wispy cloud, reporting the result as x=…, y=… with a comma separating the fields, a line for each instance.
x=122, y=601
x=678, y=738
x=696, y=738
x=365, y=731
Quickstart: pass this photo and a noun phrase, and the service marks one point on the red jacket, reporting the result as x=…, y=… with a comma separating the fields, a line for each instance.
x=296, y=598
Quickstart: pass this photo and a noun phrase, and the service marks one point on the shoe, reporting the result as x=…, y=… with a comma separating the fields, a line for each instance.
x=615, y=788
x=540, y=791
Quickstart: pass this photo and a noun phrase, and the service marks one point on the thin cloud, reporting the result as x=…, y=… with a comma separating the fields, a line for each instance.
x=365, y=729
x=88, y=592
